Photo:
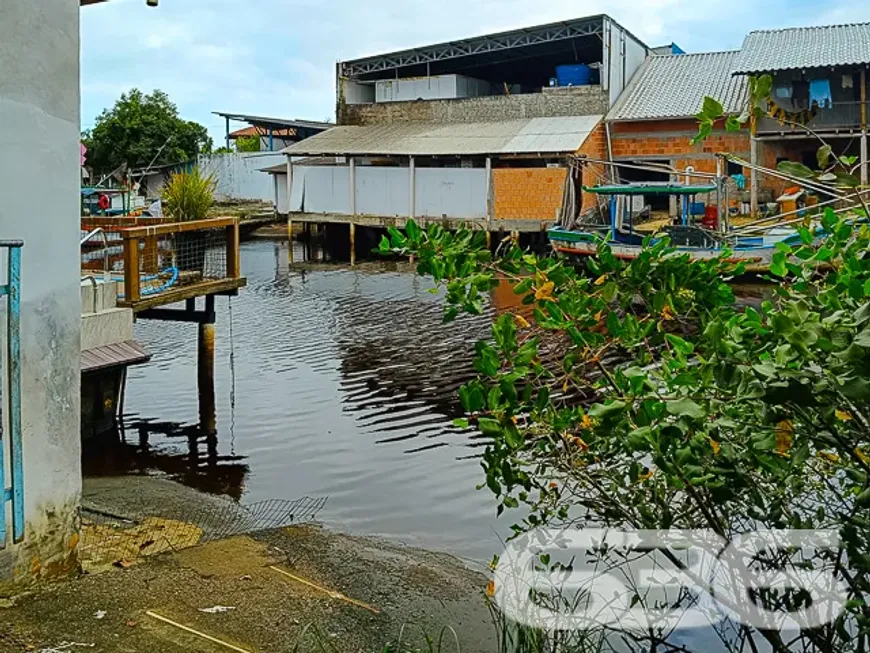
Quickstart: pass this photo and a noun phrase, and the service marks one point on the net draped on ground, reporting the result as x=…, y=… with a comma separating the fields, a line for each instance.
x=121, y=537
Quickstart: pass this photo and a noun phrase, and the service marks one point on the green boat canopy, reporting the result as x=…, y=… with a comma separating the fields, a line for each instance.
x=650, y=189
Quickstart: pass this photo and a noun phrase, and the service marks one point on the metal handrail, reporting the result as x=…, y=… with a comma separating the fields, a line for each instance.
x=94, y=285
x=100, y=232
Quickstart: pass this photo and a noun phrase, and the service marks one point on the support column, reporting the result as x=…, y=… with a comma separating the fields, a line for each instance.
x=205, y=369
x=275, y=192
x=753, y=159
x=412, y=188
x=489, y=198
x=865, y=175
x=352, y=243
x=228, y=133
x=352, y=184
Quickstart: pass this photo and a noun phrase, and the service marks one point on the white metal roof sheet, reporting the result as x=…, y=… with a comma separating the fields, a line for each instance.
x=532, y=135
x=804, y=47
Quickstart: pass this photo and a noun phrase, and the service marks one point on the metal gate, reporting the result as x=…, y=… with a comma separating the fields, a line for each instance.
x=14, y=492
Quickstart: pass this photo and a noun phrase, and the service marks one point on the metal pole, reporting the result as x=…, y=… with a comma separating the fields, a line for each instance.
x=13, y=343
x=228, y=132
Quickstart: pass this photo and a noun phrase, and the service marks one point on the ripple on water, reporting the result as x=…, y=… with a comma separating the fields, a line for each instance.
x=344, y=384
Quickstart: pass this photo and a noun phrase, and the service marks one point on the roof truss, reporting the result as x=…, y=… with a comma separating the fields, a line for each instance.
x=480, y=45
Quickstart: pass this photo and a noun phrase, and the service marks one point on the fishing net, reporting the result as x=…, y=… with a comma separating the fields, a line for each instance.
x=120, y=538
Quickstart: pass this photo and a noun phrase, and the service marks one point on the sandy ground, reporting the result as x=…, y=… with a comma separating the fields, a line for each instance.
x=300, y=588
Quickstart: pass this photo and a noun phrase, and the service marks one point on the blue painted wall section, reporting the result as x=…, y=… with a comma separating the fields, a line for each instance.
x=14, y=493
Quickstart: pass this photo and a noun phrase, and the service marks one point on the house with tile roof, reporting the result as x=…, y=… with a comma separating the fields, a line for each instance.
x=819, y=90
x=653, y=121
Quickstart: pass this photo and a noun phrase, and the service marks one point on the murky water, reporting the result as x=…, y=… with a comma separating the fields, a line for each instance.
x=333, y=381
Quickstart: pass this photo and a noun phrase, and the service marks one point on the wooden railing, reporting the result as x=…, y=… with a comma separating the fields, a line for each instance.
x=159, y=262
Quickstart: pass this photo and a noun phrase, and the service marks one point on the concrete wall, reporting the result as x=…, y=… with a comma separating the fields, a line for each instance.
x=572, y=101
x=239, y=175
x=39, y=158
x=439, y=192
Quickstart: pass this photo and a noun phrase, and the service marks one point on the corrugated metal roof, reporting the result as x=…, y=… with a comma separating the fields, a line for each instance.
x=122, y=353
x=533, y=135
x=804, y=47
x=674, y=86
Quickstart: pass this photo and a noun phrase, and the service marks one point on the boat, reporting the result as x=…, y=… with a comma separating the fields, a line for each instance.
x=704, y=239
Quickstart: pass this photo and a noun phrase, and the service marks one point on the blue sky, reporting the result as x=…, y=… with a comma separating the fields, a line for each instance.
x=277, y=57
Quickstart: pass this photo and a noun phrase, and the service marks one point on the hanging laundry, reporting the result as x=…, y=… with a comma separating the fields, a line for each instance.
x=820, y=93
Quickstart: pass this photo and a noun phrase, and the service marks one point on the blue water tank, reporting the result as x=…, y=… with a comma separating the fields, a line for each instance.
x=574, y=75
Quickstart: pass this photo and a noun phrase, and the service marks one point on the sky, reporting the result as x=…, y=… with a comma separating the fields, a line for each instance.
x=277, y=57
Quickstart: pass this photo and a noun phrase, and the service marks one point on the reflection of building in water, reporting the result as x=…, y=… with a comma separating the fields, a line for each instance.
x=128, y=450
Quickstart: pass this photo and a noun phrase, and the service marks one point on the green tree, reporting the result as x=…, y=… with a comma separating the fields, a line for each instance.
x=248, y=144
x=140, y=130
x=641, y=395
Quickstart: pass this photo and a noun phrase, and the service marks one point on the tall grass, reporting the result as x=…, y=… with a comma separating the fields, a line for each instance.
x=189, y=196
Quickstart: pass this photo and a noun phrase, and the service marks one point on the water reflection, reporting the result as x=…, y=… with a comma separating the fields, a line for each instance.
x=334, y=382
x=186, y=454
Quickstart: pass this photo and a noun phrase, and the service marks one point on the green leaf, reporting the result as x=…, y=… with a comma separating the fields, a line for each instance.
x=777, y=265
x=384, y=245
x=608, y=410
x=413, y=230
x=863, y=499
x=685, y=407
x=683, y=346
x=823, y=156
x=712, y=108
x=704, y=131
x=798, y=170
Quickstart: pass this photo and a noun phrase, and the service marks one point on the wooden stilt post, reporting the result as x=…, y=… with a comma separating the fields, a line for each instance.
x=290, y=240
x=205, y=369
x=352, y=243
x=753, y=159
x=488, y=239
x=865, y=173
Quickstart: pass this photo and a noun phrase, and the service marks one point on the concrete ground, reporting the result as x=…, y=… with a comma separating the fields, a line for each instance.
x=302, y=588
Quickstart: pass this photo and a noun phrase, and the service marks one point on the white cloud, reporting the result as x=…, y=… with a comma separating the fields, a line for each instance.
x=277, y=57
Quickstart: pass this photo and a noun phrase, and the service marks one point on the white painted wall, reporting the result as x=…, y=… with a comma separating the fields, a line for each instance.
x=451, y=192
x=283, y=200
x=39, y=187
x=382, y=191
x=239, y=175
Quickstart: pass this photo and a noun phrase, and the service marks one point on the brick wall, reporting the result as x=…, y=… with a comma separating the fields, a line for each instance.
x=574, y=101
x=595, y=147
x=671, y=140
x=528, y=193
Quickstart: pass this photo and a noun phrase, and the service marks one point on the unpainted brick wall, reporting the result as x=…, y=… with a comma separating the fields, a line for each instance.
x=528, y=193
x=595, y=147
x=574, y=101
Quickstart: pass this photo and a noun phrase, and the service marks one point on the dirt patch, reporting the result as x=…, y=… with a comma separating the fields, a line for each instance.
x=354, y=593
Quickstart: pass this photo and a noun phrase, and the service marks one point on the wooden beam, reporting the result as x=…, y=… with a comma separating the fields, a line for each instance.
x=179, y=227
x=219, y=287
x=131, y=270
x=234, y=263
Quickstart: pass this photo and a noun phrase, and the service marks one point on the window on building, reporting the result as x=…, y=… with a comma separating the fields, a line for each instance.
x=734, y=169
